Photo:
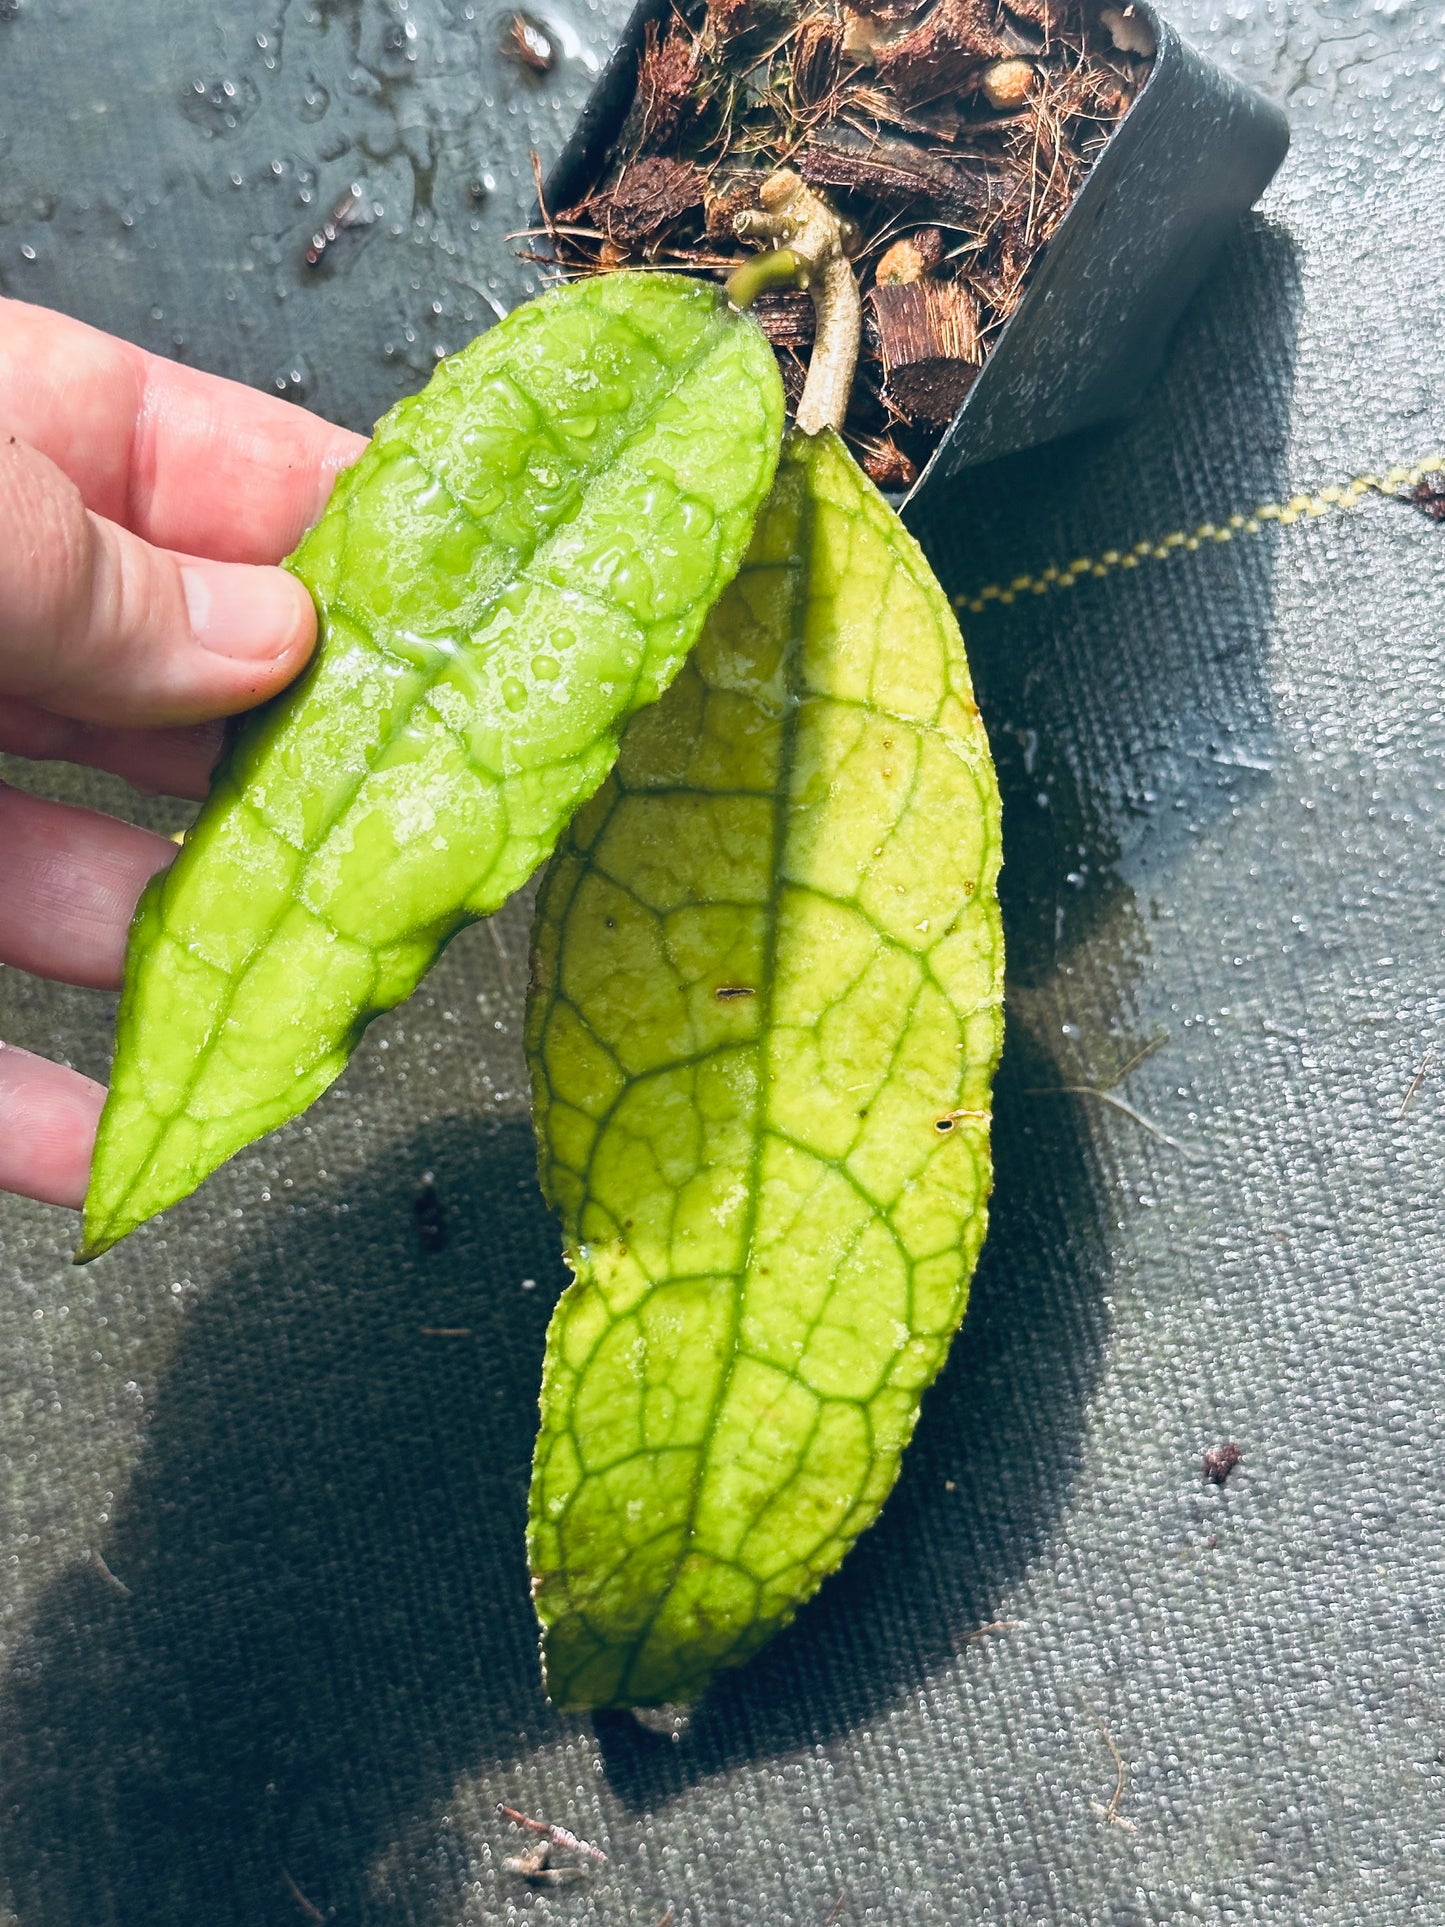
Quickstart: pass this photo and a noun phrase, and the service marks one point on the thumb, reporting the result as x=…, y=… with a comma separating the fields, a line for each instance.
x=98, y=625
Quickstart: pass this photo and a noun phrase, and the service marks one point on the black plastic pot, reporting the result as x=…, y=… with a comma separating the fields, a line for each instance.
x=1195, y=149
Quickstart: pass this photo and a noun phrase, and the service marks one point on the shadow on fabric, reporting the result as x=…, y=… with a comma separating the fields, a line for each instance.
x=328, y=1615
x=328, y=1620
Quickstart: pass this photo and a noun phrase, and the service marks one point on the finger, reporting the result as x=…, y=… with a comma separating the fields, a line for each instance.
x=162, y=762
x=69, y=880
x=185, y=459
x=98, y=625
x=48, y=1117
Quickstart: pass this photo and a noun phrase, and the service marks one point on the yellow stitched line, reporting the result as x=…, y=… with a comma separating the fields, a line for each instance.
x=1329, y=501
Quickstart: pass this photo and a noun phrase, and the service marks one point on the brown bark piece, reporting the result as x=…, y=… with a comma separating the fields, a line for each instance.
x=1051, y=16
x=666, y=79
x=887, y=12
x=896, y=175
x=728, y=18
x=943, y=52
x=816, y=48
x=649, y=195
x=885, y=463
x=928, y=333
x=719, y=207
x=788, y=320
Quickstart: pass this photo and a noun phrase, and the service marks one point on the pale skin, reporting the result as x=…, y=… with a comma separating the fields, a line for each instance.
x=143, y=507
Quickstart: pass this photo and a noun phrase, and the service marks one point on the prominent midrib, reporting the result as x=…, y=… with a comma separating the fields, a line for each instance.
x=643, y=413
x=792, y=719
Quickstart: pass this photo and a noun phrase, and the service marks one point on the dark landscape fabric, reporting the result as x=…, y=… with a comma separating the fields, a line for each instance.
x=266, y=1649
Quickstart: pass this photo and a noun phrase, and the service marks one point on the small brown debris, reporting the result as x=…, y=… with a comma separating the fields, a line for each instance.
x=1006, y=85
x=1425, y=1062
x=1428, y=495
x=308, y=1907
x=527, y=42
x=911, y=258
x=1220, y=1461
x=729, y=993
x=429, y=1216
x=666, y=79
x=885, y=464
x=928, y=333
x=1110, y=1813
x=554, y=1835
x=1129, y=30
x=107, y=1575
x=534, y=1865
x=648, y=196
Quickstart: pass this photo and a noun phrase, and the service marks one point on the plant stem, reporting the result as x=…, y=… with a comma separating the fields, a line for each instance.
x=808, y=234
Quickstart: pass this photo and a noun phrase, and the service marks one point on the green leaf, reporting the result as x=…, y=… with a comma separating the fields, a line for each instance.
x=766, y=1010
x=522, y=558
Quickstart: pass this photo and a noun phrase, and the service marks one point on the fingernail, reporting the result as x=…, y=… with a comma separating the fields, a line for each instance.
x=248, y=613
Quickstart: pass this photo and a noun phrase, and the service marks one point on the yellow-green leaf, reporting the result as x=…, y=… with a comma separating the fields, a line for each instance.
x=765, y=1016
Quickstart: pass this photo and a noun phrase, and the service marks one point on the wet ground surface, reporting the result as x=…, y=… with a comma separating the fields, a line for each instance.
x=264, y=1633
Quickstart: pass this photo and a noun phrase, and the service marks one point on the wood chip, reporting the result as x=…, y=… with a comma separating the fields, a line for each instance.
x=928, y=333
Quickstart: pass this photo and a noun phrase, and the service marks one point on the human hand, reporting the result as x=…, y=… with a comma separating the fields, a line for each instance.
x=137, y=499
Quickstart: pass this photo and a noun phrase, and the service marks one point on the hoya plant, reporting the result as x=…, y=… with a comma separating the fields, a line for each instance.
x=767, y=975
